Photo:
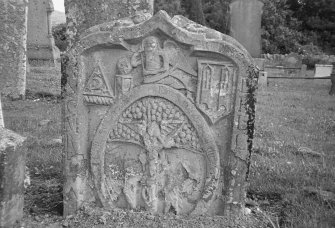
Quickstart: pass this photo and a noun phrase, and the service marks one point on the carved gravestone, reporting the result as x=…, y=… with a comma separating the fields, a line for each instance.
x=44, y=75
x=13, y=37
x=156, y=118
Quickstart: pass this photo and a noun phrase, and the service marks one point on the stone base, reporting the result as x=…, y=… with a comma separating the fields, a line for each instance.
x=12, y=169
x=44, y=80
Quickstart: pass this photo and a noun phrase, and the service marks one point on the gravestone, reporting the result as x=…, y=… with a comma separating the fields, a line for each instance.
x=322, y=70
x=292, y=60
x=156, y=114
x=263, y=80
x=13, y=37
x=303, y=70
x=260, y=63
x=44, y=74
x=12, y=168
x=245, y=24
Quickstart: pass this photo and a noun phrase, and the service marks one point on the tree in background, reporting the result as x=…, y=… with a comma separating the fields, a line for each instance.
x=318, y=21
x=287, y=25
x=281, y=31
x=59, y=34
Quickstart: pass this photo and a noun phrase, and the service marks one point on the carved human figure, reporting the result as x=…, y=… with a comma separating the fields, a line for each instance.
x=165, y=65
x=153, y=60
x=124, y=78
x=159, y=175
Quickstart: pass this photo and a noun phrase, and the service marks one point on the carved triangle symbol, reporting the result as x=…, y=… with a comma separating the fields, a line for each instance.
x=98, y=84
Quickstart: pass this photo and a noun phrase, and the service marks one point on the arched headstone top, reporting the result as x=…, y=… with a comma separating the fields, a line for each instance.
x=177, y=28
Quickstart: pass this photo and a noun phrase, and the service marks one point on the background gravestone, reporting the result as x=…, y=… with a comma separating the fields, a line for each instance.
x=245, y=24
x=156, y=115
x=292, y=60
x=13, y=37
x=44, y=74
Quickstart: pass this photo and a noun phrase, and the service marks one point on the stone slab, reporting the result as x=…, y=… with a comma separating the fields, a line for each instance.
x=44, y=80
x=12, y=173
x=303, y=70
x=13, y=37
x=245, y=24
x=41, y=44
x=156, y=116
x=83, y=14
x=263, y=80
x=322, y=70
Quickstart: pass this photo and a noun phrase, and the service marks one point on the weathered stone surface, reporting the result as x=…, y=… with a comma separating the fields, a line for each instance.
x=83, y=14
x=322, y=70
x=245, y=24
x=41, y=46
x=303, y=70
x=44, y=79
x=44, y=74
x=156, y=118
x=13, y=38
x=262, y=80
x=12, y=168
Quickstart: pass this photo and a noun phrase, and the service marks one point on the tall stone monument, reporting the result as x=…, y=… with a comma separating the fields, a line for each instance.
x=157, y=112
x=43, y=56
x=245, y=24
x=13, y=38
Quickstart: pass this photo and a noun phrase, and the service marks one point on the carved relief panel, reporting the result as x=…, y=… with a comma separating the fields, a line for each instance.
x=153, y=156
x=149, y=104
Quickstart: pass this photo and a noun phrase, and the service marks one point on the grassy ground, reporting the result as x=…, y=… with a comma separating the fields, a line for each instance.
x=295, y=124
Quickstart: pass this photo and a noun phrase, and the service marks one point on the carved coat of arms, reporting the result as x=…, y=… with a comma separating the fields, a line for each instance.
x=215, y=88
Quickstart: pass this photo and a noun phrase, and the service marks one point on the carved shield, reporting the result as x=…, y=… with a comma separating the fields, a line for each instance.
x=215, y=88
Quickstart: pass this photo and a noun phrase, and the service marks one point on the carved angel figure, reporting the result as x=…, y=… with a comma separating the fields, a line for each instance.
x=166, y=65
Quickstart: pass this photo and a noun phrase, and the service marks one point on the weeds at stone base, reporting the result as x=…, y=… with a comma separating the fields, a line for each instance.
x=289, y=116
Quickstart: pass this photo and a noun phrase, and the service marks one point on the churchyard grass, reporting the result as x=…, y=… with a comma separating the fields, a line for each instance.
x=39, y=119
x=294, y=153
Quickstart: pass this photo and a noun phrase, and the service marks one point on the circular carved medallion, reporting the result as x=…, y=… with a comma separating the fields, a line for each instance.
x=154, y=151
